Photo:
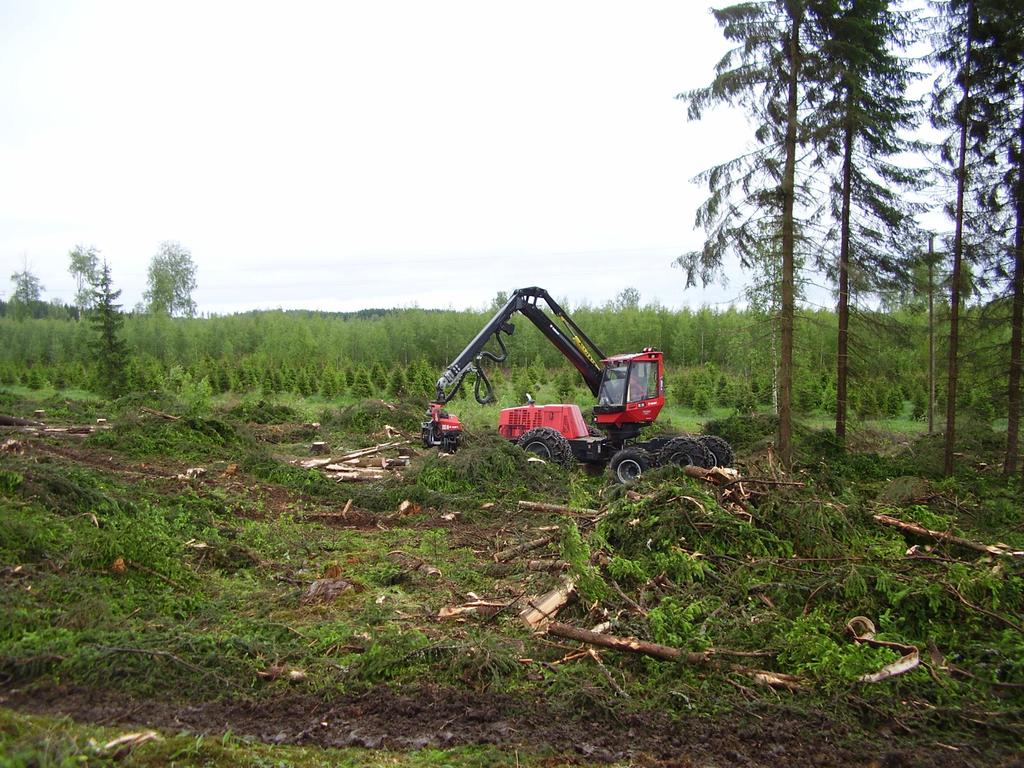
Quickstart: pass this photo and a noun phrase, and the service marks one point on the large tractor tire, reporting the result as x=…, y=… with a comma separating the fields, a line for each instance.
x=685, y=452
x=549, y=444
x=628, y=464
x=719, y=449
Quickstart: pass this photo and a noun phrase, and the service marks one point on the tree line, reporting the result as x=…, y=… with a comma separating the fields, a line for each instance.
x=715, y=358
x=170, y=280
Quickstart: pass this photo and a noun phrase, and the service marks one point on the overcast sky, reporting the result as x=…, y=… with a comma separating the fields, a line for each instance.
x=342, y=155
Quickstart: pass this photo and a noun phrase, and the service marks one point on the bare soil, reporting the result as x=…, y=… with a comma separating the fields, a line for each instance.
x=409, y=719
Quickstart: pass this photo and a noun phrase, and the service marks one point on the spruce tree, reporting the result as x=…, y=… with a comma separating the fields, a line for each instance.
x=954, y=109
x=862, y=107
x=397, y=384
x=110, y=349
x=997, y=140
x=766, y=75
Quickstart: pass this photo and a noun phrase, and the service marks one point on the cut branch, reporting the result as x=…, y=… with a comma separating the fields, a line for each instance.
x=504, y=555
x=629, y=644
x=917, y=530
x=557, y=509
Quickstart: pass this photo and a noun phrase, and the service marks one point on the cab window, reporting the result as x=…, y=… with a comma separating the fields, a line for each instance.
x=613, y=385
x=643, y=381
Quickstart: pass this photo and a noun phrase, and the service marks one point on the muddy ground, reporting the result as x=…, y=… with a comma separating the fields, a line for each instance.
x=412, y=719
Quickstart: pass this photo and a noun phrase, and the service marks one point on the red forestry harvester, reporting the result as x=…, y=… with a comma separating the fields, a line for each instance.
x=630, y=392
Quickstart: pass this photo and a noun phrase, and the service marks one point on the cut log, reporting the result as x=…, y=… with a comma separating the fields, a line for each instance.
x=557, y=509
x=504, y=555
x=540, y=610
x=476, y=607
x=161, y=414
x=629, y=644
x=14, y=421
x=354, y=468
x=715, y=475
x=318, y=463
x=376, y=462
x=370, y=451
x=318, y=448
x=355, y=477
x=918, y=530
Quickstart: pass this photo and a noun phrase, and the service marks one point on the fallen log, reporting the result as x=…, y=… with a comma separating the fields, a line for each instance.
x=504, y=555
x=557, y=509
x=918, y=530
x=15, y=421
x=716, y=475
x=542, y=609
x=354, y=468
x=630, y=644
x=371, y=451
x=318, y=463
x=161, y=414
x=486, y=608
x=376, y=462
x=667, y=653
x=536, y=566
x=355, y=477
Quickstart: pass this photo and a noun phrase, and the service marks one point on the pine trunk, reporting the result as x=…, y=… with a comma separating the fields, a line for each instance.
x=787, y=309
x=958, y=249
x=1011, y=460
x=843, y=309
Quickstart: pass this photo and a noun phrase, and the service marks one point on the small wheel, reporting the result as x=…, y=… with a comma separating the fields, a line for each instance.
x=549, y=444
x=719, y=449
x=684, y=452
x=450, y=441
x=628, y=464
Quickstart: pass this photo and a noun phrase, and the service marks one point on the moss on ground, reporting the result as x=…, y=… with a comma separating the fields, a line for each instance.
x=121, y=577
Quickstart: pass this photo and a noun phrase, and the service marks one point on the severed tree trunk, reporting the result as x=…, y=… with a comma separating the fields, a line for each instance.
x=958, y=251
x=788, y=191
x=1012, y=457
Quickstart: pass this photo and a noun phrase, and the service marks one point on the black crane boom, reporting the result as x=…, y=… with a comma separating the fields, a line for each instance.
x=583, y=353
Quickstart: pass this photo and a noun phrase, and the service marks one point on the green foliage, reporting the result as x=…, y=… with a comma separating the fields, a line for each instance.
x=27, y=294
x=194, y=395
x=366, y=417
x=171, y=279
x=258, y=410
x=811, y=648
x=674, y=623
x=10, y=481
x=187, y=438
x=743, y=432
x=109, y=346
x=393, y=654
x=576, y=552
